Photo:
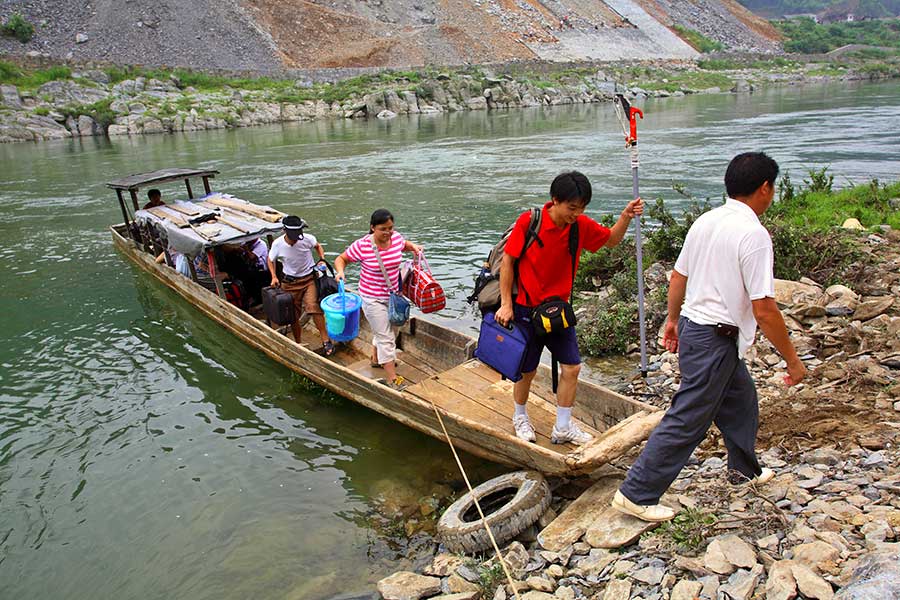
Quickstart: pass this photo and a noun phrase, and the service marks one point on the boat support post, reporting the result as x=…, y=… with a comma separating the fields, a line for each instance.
x=214, y=273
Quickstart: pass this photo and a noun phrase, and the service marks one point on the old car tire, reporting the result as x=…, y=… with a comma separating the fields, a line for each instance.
x=511, y=503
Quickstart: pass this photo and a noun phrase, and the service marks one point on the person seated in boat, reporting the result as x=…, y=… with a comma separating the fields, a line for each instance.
x=295, y=251
x=243, y=265
x=179, y=260
x=546, y=271
x=389, y=244
x=154, y=198
x=260, y=253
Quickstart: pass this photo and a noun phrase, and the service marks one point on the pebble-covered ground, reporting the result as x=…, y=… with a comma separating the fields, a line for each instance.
x=828, y=525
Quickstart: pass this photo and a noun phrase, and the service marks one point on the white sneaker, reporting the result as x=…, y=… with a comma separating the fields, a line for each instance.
x=765, y=476
x=573, y=434
x=656, y=513
x=524, y=430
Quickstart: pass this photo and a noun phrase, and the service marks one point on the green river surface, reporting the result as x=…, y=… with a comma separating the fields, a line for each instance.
x=147, y=453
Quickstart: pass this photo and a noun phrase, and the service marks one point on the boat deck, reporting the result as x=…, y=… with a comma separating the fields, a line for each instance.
x=471, y=389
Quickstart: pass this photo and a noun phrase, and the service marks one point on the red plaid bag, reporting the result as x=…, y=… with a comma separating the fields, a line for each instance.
x=421, y=288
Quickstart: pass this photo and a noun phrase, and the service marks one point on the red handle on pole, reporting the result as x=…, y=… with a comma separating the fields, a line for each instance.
x=632, y=111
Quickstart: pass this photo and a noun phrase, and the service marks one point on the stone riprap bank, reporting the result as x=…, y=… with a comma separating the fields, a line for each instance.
x=89, y=104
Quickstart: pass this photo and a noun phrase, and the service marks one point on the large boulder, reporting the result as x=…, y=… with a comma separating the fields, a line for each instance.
x=374, y=103
x=65, y=93
x=408, y=586
x=877, y=576
x=9, y=96
x=412, y=102
x=788, y=293
x=44, y=128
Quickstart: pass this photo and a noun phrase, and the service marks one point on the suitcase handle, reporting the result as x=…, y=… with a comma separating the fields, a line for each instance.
x=509, y=326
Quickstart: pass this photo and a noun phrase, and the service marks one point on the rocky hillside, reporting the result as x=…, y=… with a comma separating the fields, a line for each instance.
x=269, y=35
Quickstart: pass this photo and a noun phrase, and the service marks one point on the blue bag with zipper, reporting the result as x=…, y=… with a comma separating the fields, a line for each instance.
x=502, y=348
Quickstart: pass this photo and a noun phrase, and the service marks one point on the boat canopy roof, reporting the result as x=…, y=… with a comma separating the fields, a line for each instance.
x=194, y=226
x=139, y=180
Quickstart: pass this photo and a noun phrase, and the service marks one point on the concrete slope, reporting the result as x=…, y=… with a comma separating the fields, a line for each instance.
x=640, y=37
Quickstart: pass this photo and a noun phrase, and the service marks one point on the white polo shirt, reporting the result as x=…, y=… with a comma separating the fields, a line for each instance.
x=297, y=259
x=729, y=261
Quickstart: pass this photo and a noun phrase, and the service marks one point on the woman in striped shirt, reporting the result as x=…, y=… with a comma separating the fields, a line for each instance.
x=374, y=289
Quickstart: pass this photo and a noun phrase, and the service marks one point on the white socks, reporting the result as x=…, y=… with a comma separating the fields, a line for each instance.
x=563, y=418
x=520, y=410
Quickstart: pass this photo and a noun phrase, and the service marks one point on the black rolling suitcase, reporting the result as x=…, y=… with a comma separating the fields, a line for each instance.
x=278, y=305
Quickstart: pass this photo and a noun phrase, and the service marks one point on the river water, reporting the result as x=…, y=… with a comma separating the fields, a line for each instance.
x=146, y=453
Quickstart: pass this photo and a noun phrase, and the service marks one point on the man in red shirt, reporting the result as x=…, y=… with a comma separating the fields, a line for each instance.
x=545, y=271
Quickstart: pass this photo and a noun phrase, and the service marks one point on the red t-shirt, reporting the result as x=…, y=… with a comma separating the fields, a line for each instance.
x=547, y=271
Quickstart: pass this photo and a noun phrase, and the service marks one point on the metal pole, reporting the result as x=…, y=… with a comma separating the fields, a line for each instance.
x=626, y=114
x=640, y=261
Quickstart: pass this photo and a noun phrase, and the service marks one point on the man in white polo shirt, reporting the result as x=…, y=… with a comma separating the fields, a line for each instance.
x=722, y=287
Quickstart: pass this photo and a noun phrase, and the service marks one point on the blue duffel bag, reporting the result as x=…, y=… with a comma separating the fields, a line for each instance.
x=502, y=348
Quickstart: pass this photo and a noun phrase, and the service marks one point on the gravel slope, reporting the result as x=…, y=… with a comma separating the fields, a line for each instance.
x=200, y=33
x=269, y=35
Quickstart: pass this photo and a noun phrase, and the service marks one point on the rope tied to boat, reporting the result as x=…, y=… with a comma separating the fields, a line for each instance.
x=487, y=527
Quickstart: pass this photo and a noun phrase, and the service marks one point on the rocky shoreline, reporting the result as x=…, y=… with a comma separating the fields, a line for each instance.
x=828, y=525
x=88, y=103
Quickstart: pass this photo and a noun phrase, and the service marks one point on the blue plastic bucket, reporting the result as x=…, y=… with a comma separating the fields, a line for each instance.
x=341, y=314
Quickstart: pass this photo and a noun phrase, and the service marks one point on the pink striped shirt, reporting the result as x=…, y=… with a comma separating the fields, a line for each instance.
x=371, y=280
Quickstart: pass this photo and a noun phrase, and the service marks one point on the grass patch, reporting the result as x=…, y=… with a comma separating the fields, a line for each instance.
x=718, y=64
x=688, y=532
x=17, y=26
x=818, y=207
x=490, y=575
x=31, y=79
x=700, y=42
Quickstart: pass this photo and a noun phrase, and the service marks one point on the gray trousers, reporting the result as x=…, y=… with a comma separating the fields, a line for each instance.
x=715, y=388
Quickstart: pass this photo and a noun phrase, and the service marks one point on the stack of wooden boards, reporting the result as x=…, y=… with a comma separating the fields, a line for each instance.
x=203, y=216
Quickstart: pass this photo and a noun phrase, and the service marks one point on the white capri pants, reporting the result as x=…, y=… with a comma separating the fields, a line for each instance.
x=383, y=337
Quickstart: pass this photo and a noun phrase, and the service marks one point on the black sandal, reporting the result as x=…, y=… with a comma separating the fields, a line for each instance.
x=328, y=348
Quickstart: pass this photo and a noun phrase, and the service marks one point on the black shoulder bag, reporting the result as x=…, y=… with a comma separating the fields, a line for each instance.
x=326, y=284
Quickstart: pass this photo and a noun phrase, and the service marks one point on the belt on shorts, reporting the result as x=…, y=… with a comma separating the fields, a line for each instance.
x=292, y=279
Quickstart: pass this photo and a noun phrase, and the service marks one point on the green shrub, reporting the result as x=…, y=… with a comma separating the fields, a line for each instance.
x=819, y=181
x=696, y=39
x=664, y=242
x=603, y=265
x=99, y=111
x=612, y=329
x=18, y=27
x=808, y=37
x=688, y=531
x=9, y=73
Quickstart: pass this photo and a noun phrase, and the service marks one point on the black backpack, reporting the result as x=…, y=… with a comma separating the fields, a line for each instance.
x=487, y=282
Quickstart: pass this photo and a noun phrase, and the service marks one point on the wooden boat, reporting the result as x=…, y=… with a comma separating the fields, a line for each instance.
x=474, y=402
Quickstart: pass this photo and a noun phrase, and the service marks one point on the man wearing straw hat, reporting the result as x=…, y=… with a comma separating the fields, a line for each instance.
x=295, y=249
